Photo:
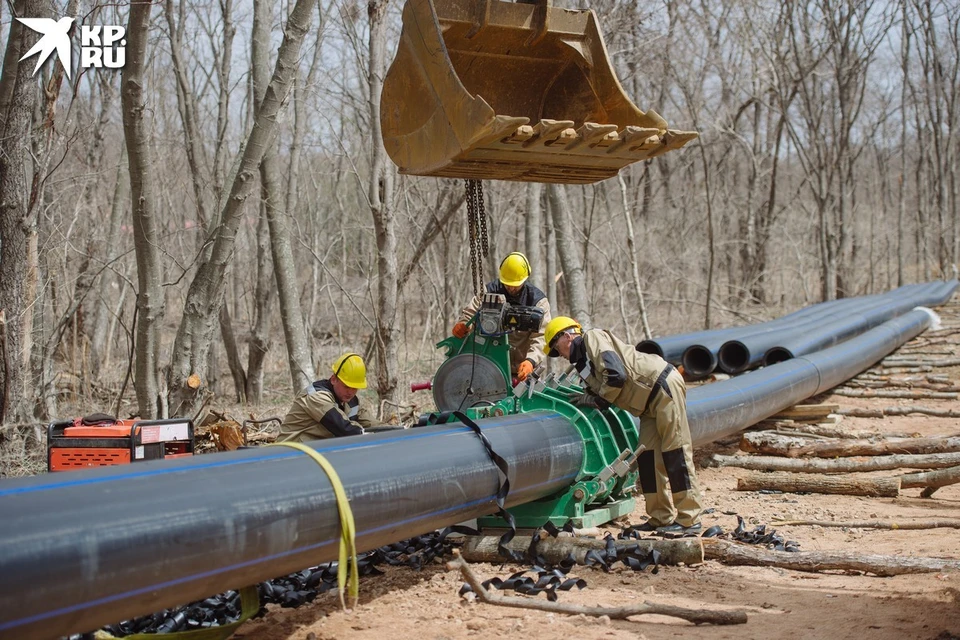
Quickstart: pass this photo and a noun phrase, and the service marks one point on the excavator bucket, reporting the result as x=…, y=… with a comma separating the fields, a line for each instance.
x=486, y=89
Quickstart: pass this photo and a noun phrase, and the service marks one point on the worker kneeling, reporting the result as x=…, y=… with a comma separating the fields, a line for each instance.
x=330, y=408
x=645, y=385
x=513, y=284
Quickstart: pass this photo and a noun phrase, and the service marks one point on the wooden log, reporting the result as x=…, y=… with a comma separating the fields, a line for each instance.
x=816, y=483
x=830, y=431
x=807, y=411
x=858, y=412
x=932, y=362
x=775, y=444
x=813, y=561
x=895, y=393
x=696, y=616
x=872, y=524
x=839, y=465
x=931, y=479
x=903, y=411
x=688, y=551
x=898, y=383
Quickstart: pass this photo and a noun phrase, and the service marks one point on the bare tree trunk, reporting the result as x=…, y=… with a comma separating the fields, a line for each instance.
x=380, y=197
x=531, y=239
x=11, y=57
x=150, y=303
x=109, y=280
x=291, y=317
x=634, y=268
x=17, y=219
x=202, y=305
x=573, y=273
x=711, y=243
x=259, y=343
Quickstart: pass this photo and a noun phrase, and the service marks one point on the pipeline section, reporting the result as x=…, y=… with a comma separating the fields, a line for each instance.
x=672, y=348
x=723, y=408
x=82, y=549
x=862, y=313
x=795, y=344
x=700, y=359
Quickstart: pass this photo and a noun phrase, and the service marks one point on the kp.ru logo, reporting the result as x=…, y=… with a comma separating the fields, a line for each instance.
x=100, y=45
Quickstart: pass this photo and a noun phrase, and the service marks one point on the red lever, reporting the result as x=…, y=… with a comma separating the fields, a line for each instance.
x=421, y=386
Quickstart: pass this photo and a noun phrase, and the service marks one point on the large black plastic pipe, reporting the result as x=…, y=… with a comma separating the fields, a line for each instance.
x=723, y=408
x=672, y=348
x=82, y=549
x=700, y=359
x=795, y=344
x=862, y=313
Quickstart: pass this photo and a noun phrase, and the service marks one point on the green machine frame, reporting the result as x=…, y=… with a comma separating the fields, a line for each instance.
x=604, y=487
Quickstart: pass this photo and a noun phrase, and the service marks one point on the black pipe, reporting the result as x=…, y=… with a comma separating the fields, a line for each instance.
x=82, y=549
x=671, y=348
x=795, y=344
x=723, y=408
x=701, y=358
x=862, y=313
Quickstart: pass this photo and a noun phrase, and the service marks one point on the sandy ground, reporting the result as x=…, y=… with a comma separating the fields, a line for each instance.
x=423, y=605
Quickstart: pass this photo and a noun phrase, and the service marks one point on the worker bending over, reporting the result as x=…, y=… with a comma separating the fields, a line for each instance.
x=525, y=346
x=645, y=385
x=329, y=408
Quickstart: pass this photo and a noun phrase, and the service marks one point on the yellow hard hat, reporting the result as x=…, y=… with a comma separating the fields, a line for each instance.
x=350, y=369
x=514, y=270
x=555, y=327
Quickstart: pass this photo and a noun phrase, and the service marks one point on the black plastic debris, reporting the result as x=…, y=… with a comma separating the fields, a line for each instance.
x=289, y=591
x=759, y=535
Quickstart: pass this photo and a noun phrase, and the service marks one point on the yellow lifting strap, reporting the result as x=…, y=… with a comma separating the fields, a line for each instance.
x=348, y=534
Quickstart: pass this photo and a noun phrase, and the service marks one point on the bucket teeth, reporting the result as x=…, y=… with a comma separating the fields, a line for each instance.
x=553, y=151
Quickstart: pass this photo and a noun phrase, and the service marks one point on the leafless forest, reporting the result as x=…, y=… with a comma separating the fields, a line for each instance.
x=219, y=216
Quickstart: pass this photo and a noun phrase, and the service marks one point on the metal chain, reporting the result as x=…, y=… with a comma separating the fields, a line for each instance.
x=477, y=221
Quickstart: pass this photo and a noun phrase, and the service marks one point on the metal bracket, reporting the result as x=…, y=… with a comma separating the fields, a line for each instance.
x=622, y=465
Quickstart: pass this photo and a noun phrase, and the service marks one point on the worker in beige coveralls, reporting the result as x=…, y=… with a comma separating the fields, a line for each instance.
x=645, y=385
x=330, y=408
x=526, y=347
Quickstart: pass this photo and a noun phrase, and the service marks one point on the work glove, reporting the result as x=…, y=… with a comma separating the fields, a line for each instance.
x=524, y=370
x=461, y=330
x=587, y=400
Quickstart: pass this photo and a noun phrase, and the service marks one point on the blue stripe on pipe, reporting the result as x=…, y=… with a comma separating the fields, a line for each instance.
x=277, y=456
x=198, y=576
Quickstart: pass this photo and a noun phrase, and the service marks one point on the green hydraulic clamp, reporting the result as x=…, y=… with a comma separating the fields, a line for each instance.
x=604, y=487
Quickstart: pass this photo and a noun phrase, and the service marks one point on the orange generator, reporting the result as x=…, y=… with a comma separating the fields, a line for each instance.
x=101, y=440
